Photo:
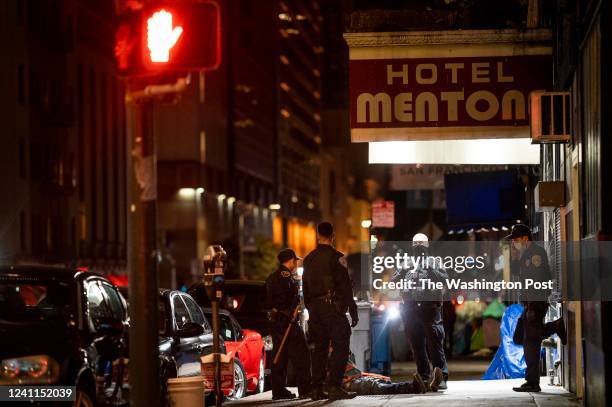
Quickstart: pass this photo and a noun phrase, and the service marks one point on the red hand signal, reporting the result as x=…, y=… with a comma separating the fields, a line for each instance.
x=161, y=37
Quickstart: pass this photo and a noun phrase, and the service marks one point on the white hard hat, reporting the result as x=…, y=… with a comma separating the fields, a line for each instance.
x=420, y=239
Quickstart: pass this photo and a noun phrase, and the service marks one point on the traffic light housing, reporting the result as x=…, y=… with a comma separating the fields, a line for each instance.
x=169, y=37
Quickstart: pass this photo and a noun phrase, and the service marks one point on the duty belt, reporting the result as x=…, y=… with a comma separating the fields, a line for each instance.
x=327, y=298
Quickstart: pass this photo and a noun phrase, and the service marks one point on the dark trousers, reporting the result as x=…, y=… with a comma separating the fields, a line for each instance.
x=534, y=331
x=296, y=350
x=426, y=335
x=327, y=327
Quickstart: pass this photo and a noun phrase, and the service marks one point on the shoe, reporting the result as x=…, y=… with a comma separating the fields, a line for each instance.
x=283, y=394
x=528, y=388
x=317, y=393
x=338, y=393
x=436, y=379
x=560, y=330
x=443, y=385
x=418, y=384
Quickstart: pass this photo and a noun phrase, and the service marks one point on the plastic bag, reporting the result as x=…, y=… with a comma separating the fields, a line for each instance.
x=509, y=361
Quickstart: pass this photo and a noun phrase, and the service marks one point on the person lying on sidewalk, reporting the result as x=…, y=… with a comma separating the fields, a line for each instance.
x=365, y=384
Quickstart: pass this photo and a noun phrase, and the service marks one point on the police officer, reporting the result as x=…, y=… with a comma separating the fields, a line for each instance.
x=422, y=315
x=533, y=263
x=328, y=295
x=282, y=298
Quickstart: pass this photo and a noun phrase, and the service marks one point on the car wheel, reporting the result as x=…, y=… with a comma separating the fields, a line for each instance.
x=261, y=376
x=239, y=382
x=82, y=399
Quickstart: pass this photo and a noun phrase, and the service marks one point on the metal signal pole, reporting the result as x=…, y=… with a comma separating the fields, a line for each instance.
x=142, y=255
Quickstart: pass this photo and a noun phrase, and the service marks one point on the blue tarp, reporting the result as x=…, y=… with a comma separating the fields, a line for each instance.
x=509, y=361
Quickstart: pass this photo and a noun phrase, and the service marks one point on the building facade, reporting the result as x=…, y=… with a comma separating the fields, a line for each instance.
x=582, y=33
x=64, y=157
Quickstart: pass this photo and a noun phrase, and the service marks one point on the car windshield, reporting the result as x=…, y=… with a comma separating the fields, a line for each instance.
x=241, y=299
x=33, y=299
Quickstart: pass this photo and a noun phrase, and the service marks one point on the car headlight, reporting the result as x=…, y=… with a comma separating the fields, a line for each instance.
x=268, y=345
x=29, y=370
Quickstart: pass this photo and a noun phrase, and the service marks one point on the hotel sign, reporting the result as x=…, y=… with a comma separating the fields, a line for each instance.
x=444, y=90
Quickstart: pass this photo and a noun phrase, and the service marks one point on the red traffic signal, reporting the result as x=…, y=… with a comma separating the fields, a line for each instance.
x=173, y=37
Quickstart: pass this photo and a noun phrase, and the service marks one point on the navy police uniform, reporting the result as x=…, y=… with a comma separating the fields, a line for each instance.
x=534, y=265
x=328, y=294
x=531, y=329
x=282, y=298
x=422, y=316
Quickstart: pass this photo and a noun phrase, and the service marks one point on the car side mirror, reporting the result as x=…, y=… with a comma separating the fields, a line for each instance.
x=189, y=330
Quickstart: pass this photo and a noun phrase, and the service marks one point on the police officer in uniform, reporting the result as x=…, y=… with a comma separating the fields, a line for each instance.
x=282, y=298
x=422, y=315
x=533, y=265
x=328, y=294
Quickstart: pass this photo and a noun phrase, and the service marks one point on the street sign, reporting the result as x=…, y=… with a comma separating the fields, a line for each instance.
x=169, y=37
x=383, y=214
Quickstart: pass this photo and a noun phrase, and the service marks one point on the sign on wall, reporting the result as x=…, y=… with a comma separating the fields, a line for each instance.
x=403, y=88
x=383, y=214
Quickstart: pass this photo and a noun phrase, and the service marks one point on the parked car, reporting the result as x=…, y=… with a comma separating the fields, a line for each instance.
x=184, y=336
x=247, y=347
x=246, y=300
x=63, y=326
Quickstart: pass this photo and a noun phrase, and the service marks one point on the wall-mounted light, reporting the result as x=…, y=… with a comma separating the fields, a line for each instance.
x=274, y=207
x=231, y=200
x=221, y=197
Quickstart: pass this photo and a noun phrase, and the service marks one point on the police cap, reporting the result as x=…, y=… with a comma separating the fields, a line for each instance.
x=519, y=230
x=286, y=255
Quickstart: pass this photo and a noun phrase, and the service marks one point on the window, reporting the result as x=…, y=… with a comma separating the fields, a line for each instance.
x=181, y=315
x=96, y=305
x=22, y=157
x=238, y=330
x=194, y=310
x=21, y=87
x=114, y=301
x=22, y=231
x=226, y=328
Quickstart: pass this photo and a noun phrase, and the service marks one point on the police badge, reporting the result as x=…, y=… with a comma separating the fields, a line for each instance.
x=285, y=273
x=536, y=260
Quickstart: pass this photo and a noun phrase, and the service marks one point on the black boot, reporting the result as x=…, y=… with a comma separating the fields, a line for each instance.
x=282, y=394
x=317, y=393
x=338, y=393
x=528, y=388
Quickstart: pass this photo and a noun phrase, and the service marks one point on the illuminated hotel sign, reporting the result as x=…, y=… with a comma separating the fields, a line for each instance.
x=445, y=85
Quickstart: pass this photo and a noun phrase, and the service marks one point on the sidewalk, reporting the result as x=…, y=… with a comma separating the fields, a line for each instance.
x=473, y=393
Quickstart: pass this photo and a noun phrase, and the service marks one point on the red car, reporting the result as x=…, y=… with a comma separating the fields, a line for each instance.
x=247, y=346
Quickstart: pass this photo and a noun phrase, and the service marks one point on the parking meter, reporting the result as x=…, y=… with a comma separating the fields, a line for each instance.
x=215, y=262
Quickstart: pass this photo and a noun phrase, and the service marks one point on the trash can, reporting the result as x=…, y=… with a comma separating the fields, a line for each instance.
x=381, y=349
x=360, y=336
x=186, y=391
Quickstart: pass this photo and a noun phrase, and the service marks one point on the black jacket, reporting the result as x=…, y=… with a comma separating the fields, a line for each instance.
x=281, y=291
x=325, y=271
